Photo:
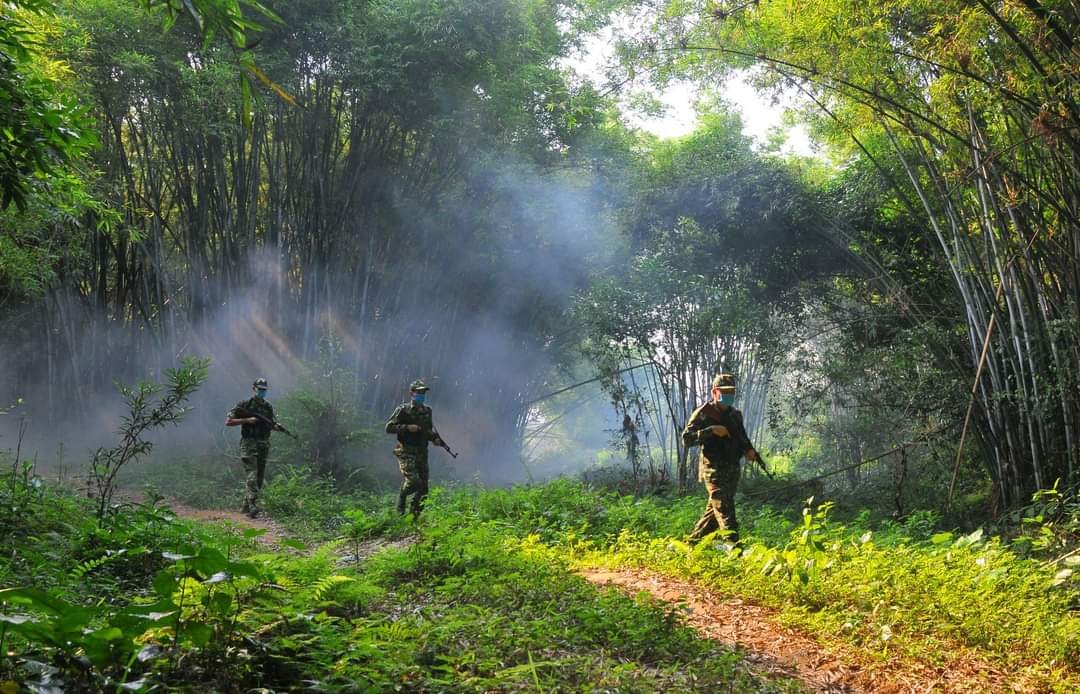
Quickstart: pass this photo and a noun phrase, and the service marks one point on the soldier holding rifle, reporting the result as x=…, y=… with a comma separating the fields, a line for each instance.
x=412, y=424
x=718, y=428
x=255, y=417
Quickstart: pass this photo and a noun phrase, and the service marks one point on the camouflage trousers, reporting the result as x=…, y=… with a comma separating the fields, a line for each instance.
x=413, y=463
x=719, y=514
x=253, y=453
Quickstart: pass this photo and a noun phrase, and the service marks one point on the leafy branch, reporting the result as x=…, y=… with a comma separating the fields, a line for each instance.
x=146, y=411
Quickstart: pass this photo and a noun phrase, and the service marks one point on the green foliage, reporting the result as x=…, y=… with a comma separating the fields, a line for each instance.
x=197, y=599
x=314, y=507
x=321, y=410
x=897, y=589
x=483, y=599
x=1050, y=526
x=363, y=525
x=227, y=18
x=295, y=494
x=469, y=607
x=48, y=233
x=213, y=17
x=488, y=616
x=43, y=129
x=150, y=406
x=78, y=638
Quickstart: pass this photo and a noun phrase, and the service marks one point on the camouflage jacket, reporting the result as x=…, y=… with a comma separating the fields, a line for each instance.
x=715, y=450
x=407, y=414
x=247, y=408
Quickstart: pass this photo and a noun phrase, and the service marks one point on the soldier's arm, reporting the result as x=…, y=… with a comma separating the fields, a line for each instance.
x=393, y=426
x=232, y=420
x=692, y=435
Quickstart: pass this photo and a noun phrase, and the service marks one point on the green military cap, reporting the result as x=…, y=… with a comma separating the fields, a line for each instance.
x=724, y=382
x=418, y=386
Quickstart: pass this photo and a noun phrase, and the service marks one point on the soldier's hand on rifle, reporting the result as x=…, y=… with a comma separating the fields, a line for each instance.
x=412, y=428
x=752, y=455
x=718, y=430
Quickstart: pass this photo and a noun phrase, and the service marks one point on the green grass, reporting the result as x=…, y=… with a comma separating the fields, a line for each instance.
x=892, y=590
x=464, y=610
x=486, y=598
x=148, y=600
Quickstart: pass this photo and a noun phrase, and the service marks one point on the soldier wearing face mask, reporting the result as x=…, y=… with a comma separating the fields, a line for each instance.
x=718, y=428
x=255, y=417
x=412, y=424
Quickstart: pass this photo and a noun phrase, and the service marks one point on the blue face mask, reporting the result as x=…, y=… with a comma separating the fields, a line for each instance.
x=418, y=398
x=261, y=394
x=727, y=399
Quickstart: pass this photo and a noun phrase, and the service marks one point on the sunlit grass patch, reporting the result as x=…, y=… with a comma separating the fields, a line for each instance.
x=488, y=615
x=895, y=591
x=159, y=601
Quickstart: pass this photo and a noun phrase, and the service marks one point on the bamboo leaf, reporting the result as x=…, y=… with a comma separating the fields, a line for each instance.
x=273, y=86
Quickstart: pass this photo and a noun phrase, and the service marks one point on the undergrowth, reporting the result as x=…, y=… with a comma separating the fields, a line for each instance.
x=147, y=601
x=903, y=589
x=484, y=599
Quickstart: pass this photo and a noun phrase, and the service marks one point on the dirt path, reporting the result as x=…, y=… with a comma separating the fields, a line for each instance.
x=773, y=649
x=368, y=548
x=275, y=533
x=767, y=646
x=271, y=538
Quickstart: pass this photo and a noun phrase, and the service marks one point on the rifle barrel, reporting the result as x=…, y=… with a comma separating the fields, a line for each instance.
x=274, y=423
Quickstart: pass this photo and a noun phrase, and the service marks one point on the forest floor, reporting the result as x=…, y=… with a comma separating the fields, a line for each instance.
x=769, y=648
x=273, y=536
x=773, y=649
x=275, y=533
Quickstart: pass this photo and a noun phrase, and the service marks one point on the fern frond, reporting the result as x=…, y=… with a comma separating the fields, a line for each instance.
x=89, y=565
x=324, y=585
x=287, y=583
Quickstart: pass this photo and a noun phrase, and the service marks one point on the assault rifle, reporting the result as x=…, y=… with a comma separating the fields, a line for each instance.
x=715, y=415
x=443, y=444
x=277, y=426
x=761, y=462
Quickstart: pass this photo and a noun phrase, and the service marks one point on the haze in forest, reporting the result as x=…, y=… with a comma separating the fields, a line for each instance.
x=344, y=196
x=377, y=192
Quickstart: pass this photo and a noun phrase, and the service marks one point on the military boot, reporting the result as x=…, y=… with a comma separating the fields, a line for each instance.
x=401, y=503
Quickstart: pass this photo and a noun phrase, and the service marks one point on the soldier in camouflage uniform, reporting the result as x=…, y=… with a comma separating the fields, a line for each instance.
x=718, y=428
x=412, y=424
x=255, y=417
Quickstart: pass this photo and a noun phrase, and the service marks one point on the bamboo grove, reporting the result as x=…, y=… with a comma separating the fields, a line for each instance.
x=399, y=192
x=434, y=189
x=968, y=110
